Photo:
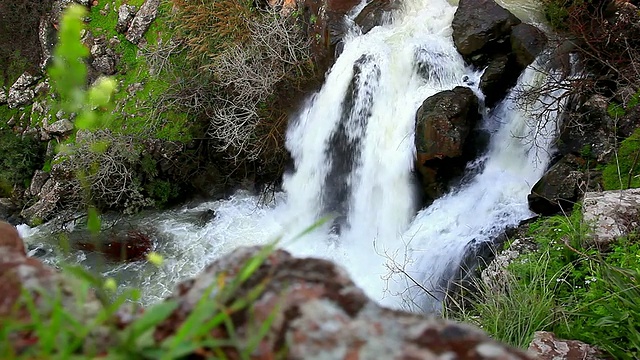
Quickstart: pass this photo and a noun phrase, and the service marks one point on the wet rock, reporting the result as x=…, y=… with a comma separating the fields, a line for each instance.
x=527, y=42
x=611, y=214
x=546, y=346
x=318, y=313
x=59, y=128
x=443, y=125
x=206, y=217
x=500, y=75
x=143, y=19
x=376, y=13
x=131, y=246
x=482, y=28
x=20, y=93
x=559, y=188
x=126, y=13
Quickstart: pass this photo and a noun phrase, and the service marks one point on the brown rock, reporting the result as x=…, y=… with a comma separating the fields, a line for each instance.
x=545, y=346
x=317, y=312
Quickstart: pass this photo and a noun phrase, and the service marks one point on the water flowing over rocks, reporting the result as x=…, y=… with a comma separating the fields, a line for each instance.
x=318, y=313
x=559, y=188
x=443, y=125
x=489, y=36
x=611, y=214
x=376, y=13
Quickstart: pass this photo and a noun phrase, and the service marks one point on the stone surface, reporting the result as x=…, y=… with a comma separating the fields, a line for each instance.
x=527, y=42
x=3, y=96
x=500, y=75
x=143, y=19
x=611, y=214
x=37, y=182
x=20, y=92
x=318, y=313
x=546, y=346
x=60, y=127
x=126, y=13
x=481, y=28
x=559, y=188
x=105, y=64
x=443, y=125
x=376, y=13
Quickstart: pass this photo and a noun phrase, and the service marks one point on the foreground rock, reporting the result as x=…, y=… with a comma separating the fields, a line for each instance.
x=443, y=125
x=318, y=313
x=611, y=214
x=546, y=346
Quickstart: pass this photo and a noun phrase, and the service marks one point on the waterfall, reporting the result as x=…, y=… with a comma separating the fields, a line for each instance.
x=353, y=150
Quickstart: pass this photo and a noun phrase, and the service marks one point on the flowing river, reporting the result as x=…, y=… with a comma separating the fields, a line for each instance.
x=353, y=149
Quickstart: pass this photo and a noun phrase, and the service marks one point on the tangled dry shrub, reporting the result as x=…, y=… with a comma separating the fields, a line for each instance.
x=253, y=65
x=105, y=172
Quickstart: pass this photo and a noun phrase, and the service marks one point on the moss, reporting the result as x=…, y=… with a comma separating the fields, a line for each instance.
x=20, y=157
x=623, y=171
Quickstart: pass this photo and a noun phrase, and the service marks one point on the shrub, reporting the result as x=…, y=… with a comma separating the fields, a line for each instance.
x=256, y=62
x=19, y=158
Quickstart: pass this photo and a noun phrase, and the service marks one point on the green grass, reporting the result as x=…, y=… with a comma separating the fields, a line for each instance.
x=566, y=287
x=57, y=328
x=623, y=171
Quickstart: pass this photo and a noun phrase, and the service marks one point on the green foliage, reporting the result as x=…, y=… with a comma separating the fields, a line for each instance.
x=19, y=158
x=576, y=292
x=623, y=171
x=556, y=12
x=162, y=191
x=56, y=328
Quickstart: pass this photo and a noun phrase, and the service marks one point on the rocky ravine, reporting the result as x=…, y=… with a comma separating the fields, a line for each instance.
x=318, y=312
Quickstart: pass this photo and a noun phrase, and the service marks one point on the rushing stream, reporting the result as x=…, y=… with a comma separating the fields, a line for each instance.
x=353, y=148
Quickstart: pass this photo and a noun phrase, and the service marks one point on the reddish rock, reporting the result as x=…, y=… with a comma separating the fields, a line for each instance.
x=317, y=312
x=133, y=246
x=546, y=346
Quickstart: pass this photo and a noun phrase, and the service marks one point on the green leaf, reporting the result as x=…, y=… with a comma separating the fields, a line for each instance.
x=152, y=317
x=93, y=221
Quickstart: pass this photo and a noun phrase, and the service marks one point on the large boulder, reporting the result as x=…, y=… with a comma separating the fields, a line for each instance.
x=315, y=311
x=482, y=28
x=611, y=214
x=499, y=76
x=527, y=42
x=559, y=188
x=443, y=125
x=376, y=13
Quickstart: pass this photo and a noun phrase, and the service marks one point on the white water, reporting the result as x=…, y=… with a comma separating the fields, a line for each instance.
x=353, y=160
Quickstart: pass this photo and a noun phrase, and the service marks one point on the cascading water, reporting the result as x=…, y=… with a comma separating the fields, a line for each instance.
x=353, y=148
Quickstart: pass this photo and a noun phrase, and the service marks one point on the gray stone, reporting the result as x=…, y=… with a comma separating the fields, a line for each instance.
x=20, y=92
x=37, y=182
x=3, y=96
x=611, y=214
x=143, y=19
x=126, y=13
x=546, y=346
x=495, y=274
x=44, y=209
x=480, y=28
x=60, y=127
x=42, y=88
x=83, y=2
x=105, y=64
